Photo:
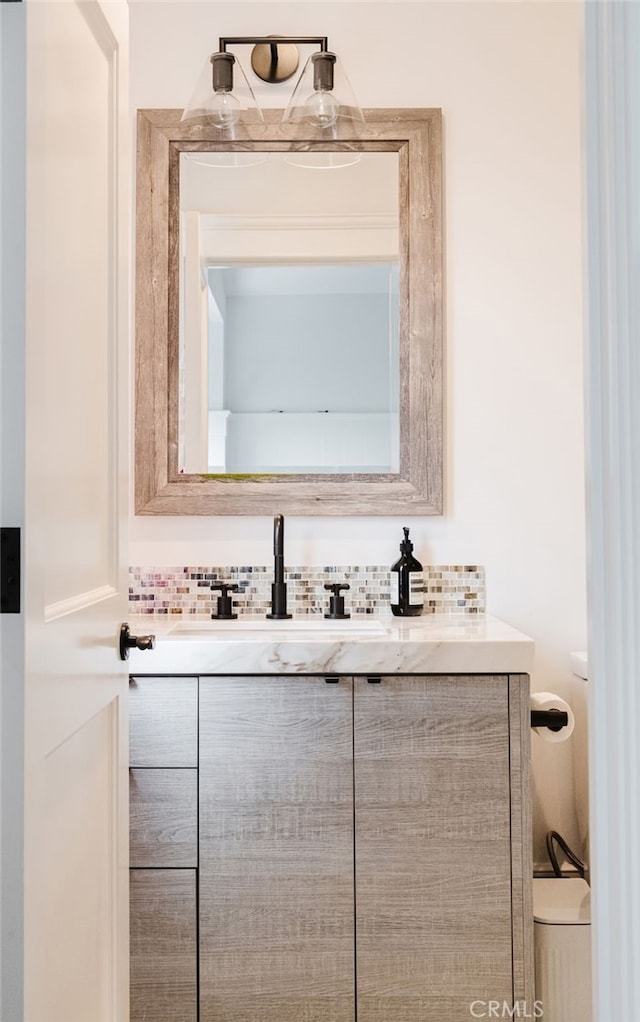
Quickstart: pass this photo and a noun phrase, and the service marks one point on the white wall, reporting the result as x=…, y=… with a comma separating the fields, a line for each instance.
x=507, y=77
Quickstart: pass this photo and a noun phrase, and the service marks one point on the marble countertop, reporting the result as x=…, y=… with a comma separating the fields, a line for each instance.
x=432, y=644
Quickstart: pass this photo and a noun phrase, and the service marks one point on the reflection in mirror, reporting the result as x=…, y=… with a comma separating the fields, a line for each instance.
x=302, y=369
x=289, y=332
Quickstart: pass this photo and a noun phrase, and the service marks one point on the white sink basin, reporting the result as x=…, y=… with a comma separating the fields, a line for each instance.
x=297, y=629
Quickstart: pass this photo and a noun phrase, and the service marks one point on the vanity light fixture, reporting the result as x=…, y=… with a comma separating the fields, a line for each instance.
x=224, y=103
x=322, y=104
x=323, y=100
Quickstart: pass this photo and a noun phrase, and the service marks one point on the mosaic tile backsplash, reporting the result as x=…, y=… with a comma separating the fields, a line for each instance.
x=187, y=591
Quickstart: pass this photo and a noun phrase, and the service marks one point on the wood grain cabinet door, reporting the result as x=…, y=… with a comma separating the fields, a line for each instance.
x=433, y=847
x=163, y=722
x=163, y=945
x=276, y=878
x=163, y=818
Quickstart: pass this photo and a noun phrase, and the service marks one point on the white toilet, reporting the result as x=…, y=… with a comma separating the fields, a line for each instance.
x=562, y=907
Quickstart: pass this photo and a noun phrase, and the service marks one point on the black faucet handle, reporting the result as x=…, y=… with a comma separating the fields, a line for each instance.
x=224, y=602
x=336, y=601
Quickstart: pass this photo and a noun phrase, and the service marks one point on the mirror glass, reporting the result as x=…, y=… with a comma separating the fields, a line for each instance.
x=289, y=313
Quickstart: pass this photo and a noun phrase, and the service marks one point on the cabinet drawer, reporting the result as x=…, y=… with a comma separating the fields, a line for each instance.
x=163, y=817
x=163, y=945
x=163, y=714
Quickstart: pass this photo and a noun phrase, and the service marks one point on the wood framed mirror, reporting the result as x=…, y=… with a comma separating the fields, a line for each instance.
x=283, y=225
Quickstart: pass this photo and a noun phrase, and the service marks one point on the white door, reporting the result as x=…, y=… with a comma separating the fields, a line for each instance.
x=76, y=877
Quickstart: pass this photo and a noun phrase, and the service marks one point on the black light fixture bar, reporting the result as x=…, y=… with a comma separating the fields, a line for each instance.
x=296, y=40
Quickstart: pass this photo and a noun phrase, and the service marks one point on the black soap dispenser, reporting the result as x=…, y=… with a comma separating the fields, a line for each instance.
x=407, y=587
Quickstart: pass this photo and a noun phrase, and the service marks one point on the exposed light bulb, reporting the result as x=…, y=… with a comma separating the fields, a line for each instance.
x=322, y=108
x=224, y=109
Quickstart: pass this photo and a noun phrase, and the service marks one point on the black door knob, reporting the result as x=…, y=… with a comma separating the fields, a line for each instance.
x=129, y=641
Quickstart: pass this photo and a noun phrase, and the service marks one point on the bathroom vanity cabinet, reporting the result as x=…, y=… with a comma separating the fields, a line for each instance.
x=324, y=847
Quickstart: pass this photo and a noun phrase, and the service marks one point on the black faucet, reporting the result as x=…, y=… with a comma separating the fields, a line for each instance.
x=279, y=586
